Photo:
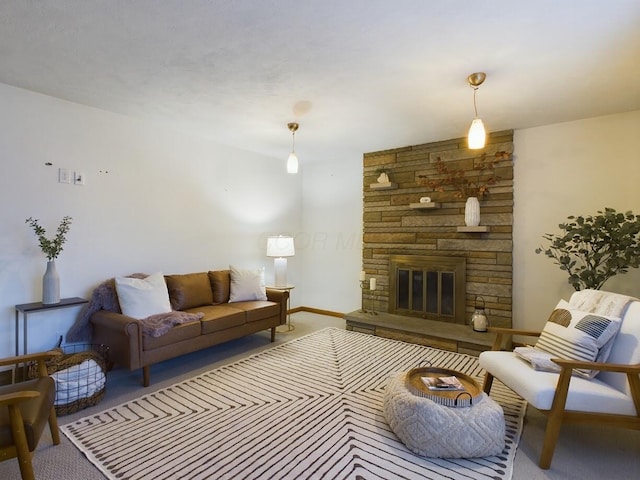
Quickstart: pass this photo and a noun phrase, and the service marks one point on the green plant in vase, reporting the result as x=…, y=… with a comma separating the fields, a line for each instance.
x=52, y=249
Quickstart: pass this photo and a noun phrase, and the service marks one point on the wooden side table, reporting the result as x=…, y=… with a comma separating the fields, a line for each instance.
x=26, y=308
x=288, y=327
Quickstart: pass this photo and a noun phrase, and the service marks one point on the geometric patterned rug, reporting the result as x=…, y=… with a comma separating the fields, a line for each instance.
x=307, y=409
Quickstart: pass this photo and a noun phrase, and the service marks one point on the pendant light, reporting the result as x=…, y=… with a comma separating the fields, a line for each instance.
x=477, y=135
x=292, y=161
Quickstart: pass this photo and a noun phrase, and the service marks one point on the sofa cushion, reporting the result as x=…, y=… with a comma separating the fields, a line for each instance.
x=175, y=335
x=220, y=281
x=247, y=284
x=258, y=309
x=220, y=317
x=189, y=290
x=143, y=297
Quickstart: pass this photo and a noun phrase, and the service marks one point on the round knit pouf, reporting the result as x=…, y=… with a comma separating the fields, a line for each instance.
x=433, y=430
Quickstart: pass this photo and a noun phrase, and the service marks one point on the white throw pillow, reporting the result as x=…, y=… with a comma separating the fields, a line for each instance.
x=576, y=335
x=143, y=297
x=247, y=284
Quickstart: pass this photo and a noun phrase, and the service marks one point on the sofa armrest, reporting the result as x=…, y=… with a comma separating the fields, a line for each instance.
x=281, y=297
x=123, y=336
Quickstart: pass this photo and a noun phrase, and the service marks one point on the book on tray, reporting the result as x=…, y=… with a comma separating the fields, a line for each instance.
x=443, y=383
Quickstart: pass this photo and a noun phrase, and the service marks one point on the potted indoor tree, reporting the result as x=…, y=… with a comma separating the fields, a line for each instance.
x=592, y=249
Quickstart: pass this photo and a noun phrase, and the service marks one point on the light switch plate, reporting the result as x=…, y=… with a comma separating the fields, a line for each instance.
x=63, y=175
x=78, y=178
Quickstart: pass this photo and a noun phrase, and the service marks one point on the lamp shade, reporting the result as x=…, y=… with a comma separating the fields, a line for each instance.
x=477, y=135
x=280, y=246
x=292, y=163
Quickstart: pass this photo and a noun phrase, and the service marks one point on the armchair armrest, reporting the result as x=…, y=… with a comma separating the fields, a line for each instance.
x=633, y=369
x=502, y=333
x=17, y=397
x=29, y=357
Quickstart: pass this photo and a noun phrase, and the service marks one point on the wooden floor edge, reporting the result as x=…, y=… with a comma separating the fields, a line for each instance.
x=318, y=311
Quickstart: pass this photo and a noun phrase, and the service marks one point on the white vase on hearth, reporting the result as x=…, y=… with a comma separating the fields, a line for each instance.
x=472, y=212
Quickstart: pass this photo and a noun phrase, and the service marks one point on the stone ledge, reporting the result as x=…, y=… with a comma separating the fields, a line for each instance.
x=445, y=336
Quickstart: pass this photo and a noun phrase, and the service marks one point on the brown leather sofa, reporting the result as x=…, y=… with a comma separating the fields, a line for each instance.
x=204, y=292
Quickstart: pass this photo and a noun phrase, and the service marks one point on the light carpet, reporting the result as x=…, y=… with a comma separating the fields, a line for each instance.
x=308, y=409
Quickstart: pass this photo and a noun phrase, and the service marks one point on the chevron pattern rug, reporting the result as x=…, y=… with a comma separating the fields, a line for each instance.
x=307, y=409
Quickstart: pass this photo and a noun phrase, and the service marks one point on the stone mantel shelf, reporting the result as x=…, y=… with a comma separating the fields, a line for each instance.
x=424, y=206
x=383, y=186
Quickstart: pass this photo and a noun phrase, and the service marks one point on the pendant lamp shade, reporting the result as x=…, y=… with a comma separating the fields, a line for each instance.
x=292, y=161
x=477, y=134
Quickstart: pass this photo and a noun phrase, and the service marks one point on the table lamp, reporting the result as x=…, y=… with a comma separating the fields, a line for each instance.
x=280, y=247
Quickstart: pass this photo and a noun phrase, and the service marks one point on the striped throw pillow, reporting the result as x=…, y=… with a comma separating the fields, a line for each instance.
x=576, y=335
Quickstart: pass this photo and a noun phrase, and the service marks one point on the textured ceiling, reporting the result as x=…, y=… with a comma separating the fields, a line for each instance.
x=358, y=75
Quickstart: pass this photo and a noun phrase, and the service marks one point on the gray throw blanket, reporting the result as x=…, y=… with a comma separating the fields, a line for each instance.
x=105, y=297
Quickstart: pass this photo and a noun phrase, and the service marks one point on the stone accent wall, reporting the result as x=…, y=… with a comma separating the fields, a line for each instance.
x=391, y=227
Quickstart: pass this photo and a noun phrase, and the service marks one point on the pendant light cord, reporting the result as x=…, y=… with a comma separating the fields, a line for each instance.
x=475, y=89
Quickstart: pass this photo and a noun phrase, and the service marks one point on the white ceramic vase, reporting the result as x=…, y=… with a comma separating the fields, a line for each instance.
x=472, y=212
x=383, y=178
x=51, y=284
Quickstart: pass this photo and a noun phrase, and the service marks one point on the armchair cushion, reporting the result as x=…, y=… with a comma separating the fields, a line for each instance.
x=35, y=411
x=538, y=388
x=576, y=335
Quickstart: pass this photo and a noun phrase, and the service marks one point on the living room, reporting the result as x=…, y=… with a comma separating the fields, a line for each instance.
x=161, y=196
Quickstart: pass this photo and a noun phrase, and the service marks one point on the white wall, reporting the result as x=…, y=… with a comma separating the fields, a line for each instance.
x=170, y=202
x=331, y=237
x=574, y=168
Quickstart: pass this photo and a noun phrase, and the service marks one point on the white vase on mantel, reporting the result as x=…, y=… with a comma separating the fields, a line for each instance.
x=472, y=212
x=51, y=284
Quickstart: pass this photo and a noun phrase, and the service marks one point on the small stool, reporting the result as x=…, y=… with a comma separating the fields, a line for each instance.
x=433, y=430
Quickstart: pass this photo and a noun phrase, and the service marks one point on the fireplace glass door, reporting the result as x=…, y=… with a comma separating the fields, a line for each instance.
x=429, y=287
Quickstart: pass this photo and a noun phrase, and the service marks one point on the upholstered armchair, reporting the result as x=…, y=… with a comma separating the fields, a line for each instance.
x=580, y=391
x=25, y=408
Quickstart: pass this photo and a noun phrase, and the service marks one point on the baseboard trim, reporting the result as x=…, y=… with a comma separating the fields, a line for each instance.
x=318, y=311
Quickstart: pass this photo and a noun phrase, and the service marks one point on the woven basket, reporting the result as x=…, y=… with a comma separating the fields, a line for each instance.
x=75, y=355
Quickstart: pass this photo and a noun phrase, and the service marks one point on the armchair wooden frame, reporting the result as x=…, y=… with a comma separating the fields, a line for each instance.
x=21, y=448
x=557, y=415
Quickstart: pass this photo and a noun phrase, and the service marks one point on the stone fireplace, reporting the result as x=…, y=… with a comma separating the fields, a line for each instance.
x=472, y=262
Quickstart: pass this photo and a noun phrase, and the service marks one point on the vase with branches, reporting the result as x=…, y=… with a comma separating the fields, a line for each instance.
x=464, y=183
x=594, y=248
x=51, y=247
